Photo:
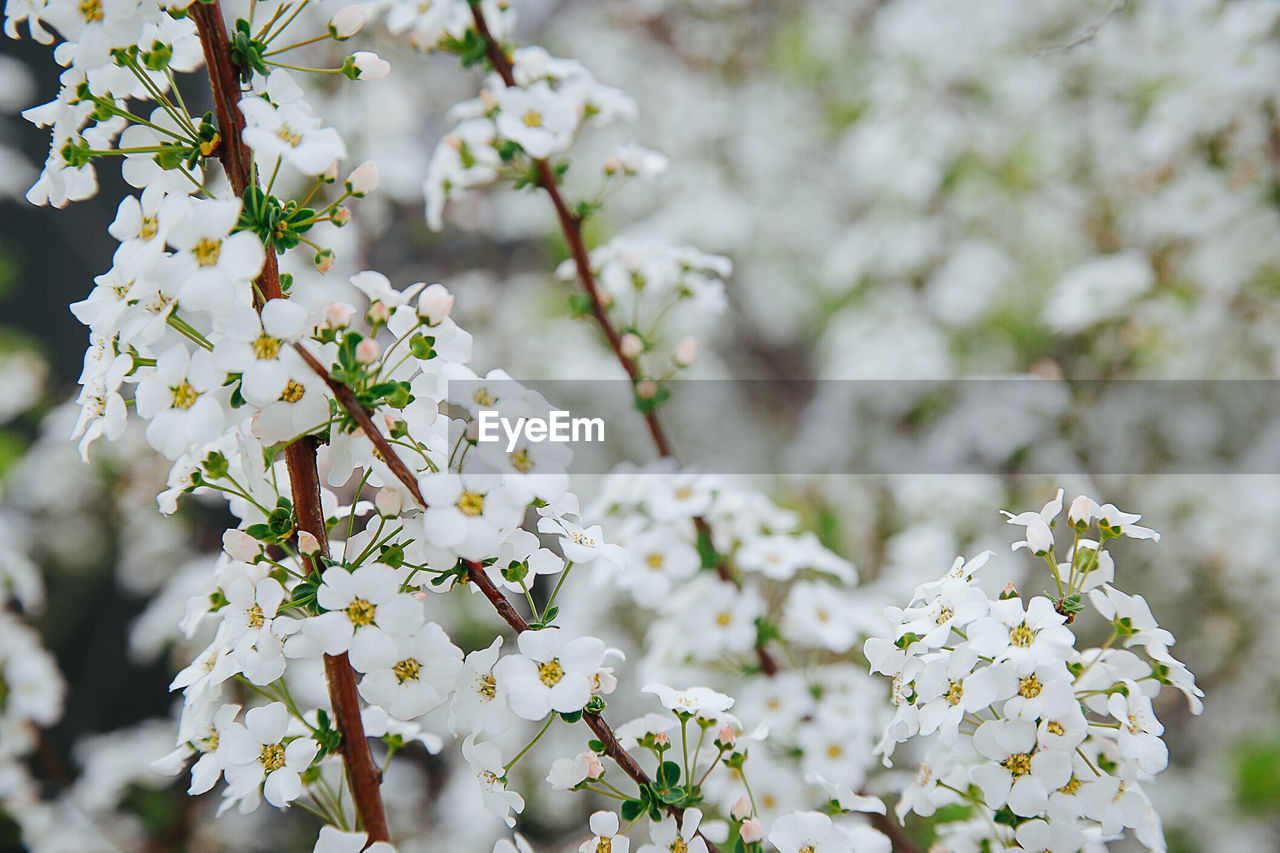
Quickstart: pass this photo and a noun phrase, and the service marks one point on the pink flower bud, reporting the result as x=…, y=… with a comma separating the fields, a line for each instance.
x=240, y=545
x=646, y=389
x=595, y=768
x=752, y=830
x=454, y=141
x=434, y=304
x=727, y=736
x=347, y=21
x=488, y=99
x=388, y=502
x=367, y=351
x=612, y=166
x=370, y=65
x=685, y=353
x=420, y=595
x=741, y=809
x=364, y=179
x=324, y=260
x=378, y=313
x=473, y=432
x=1080, y=513
x=308, y=543
x=338, y=315
x=341, y=216
x=330, y=174
x=631, y=345
x=661, y=739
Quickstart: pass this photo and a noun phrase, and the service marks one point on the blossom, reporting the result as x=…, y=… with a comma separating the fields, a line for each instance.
x=215, y=265
x=425, y=671
x=486, y=761
x=692, y=700
x=258, y=347
x=258, y=753
x=290, y=132
x=539, y=119
x=480, y=700
x=811, y=832
x=334, y=840
x=365, y=612
x=180, y=399
x=667, y=835
x=553, y=672
x=604, y=825
x=1028, y=638
x=1021, y=774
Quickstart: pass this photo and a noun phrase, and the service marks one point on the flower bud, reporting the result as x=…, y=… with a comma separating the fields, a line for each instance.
x=340, y=216
x=434, y=304
x=752, y=830
x=338, y=315
x=1009, y=591
x=631, y=345
x=741, y=809
x=388, y=502
x=347, y=21
x=488, y=99
x=367, y=351
x=364, y=179
x=1080, y=513
x=661, y=739
x=612, y=166
x=473, y=432
x=324, y=260
x=727, y=736
x=686, y=352
x=595, y=768
x=240, y=545
x=307, y=543
x=646, y=389
x=330, y=174
x=378, y=313
x=370, y=65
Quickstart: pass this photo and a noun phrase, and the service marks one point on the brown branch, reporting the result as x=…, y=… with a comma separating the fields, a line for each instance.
x=300, y=456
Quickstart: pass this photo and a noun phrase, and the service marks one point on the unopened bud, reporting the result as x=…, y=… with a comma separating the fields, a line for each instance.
x=686, y=352
x=307, y=543
x=631, y=345
x=364, y=179
x=473, y=432
x=595, y=768
x=741, y=809
x=324, y=260
x=487, y=98
x=1080, y=513
x=388, y=502
x=378, y=313
x=646, y=389
x=338, y=315
x=1009, y=591
x=370, y=65
x=330, y=174
x=367, y=351
x=727, y=736
x=661, y=739
x=240, y=545
x=347, y=21
x=612, y=166
x=454, y=141
x=341, y=215
x=752, y=830
x=434, y=304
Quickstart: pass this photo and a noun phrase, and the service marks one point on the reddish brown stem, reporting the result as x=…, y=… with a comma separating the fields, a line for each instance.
x=300, y=456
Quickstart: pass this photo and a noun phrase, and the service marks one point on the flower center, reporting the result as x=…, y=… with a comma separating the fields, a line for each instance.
x=944, y=616
x=484, y=398
x=1134, y=726
x=685, y=493
x=1022, y=636
x=184, y=396
x=521, y=462
x=1056, y=728
x=289, y=135
x=835, y=751
x=724, y=618
x=533, y=118
x=150, y=225
x=486, y=686
x=254, y=616
x=1018, y=764
x=584, y=540
x=1029, y=687
x=90, y=10
x=955, y=692
x=292, y=392
x=604, y=845
x=1073, y=785
x=266, y=347
x=654, y=561
x=470, y=503
x=272, y=757
x=407, y=670
x=679, y=846
x=360, y=612
x=808, y=848
x=551, y=672
x=207, y=251
x=822, y=615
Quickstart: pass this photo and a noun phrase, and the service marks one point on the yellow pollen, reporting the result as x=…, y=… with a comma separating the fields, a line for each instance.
x=254, y=615
x=184, y=396
x=605, y=845
x=212, y=741
x=207, y=251
x=679, y=846
x=521, y=462
x=1022, y=636
x=272, y=757
x=470, y=503
x=1056, y=728
x=484, y=398
x=1073, y=785
x=90, y=10
x=266, y=347
x=923, y=775
x=724, y=618
x=835, y=751
x=808, y=848
x=1134, y=726
x=533, y=118
x=685, y=493
x=822, y=615
x=406, y=670
x=1018, y=764
x=955, y=692
x=486, y=686
x=551, y=672
x=292, y=392
x=944, y=615
x=489, y=777
x=360, y=612
x=654, y=561
x=1029, y=687
x=769, y=801
x=150, y=226
x=289, y=135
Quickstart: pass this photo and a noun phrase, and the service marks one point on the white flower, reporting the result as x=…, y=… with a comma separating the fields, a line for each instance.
x=180, y=399
x=583, y=544
x=259, y=348
x=480, y=700
x=486, y=760
x=1021, y=775
x=539, y=119
x=568, y=773
x=692, y=700
x=291, y=133
x=215, y=265
x=606, y=838
x=552, y=673
x=1139, y=733
x=1038, y=524
x=434, y=304
x=364, y=179
x=466, y=513
x=426, y=670
x=257, y=751
x=1031, y=638
x=334, y=840
x=668, y=836
x=365, y=612
x=808, y=832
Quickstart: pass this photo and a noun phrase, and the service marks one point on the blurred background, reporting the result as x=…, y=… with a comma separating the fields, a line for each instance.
x=908, y=189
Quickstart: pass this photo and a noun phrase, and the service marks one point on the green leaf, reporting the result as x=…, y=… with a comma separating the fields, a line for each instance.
x=632, y=809
x=668, y=774
x=571, y=716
